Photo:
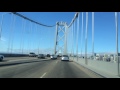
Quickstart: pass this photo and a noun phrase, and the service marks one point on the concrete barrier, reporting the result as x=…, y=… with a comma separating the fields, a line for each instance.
x=13, y=55
x=109, y=68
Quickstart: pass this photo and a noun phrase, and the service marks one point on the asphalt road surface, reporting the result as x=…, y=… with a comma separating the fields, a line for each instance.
x=47, y=69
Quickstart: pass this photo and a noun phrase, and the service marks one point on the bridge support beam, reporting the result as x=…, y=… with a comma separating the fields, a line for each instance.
x=56, y=34
x=65, y=43
x=61, y=29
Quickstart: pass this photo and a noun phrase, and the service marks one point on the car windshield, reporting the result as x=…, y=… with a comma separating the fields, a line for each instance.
x=65, y=55
x=32, y=53
x=40, y=54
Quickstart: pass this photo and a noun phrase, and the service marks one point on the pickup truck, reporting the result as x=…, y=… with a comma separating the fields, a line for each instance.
x=1, y=57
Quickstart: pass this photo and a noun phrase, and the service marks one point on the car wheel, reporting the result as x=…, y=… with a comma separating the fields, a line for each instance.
x=1, y=59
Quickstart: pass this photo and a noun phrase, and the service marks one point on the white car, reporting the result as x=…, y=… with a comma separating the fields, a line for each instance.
x=1, y=57
x=53, y=56
x=65, y=58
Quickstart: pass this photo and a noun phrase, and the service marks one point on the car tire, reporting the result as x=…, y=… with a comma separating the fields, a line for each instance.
x=1, y=59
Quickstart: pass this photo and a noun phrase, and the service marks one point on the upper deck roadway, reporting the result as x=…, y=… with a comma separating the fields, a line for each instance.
x=44, y=68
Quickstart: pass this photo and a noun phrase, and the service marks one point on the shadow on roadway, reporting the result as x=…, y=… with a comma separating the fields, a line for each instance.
x=16, y=63
x=66, y=61
x=4, y=61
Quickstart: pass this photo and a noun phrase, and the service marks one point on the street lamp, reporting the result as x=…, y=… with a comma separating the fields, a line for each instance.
x=2, y=23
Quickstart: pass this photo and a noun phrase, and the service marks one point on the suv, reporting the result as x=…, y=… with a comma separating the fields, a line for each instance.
x=32, y=55
x=1, y=57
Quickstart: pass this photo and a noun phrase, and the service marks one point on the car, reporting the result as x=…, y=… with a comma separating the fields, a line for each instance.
x=1, y=57
x=32, y=54
x=65, y=58
x=59, y=55
x=48, y=55
x=41, y=56
x=53, y=56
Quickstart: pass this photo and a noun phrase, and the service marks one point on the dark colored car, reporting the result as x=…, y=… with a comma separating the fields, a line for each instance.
x=1, y=57
x=48, y=55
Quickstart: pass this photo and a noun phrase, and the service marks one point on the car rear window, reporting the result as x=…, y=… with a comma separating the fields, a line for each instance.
x=65, y=55
x=32, y=53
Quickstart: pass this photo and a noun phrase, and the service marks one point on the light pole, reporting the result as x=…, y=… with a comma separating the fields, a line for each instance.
x=2, y=23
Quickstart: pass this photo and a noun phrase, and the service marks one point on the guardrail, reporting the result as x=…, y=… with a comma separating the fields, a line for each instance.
x=14, y=55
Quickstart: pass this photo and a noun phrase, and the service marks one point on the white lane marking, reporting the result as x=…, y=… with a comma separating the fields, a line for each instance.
x=43, y=75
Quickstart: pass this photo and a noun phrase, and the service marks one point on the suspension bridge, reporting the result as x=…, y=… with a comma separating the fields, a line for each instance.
x=26, y=35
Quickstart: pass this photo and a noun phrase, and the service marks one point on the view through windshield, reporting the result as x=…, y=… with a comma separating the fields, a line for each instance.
x=83, y=45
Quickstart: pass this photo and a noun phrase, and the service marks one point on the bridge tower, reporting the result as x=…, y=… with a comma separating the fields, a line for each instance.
x=61, y=38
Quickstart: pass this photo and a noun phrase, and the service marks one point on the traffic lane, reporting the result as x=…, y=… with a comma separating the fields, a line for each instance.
x=45, y=69
x=28, y=70
x=20, y=62
x=69, y=69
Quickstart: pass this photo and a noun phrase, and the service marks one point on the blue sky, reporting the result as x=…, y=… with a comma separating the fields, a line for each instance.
x=43, y=37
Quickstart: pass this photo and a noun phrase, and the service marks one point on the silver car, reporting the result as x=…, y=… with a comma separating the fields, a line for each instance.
x=53, y=56
x=41, y=56
x=32, y=54
x=65, y=58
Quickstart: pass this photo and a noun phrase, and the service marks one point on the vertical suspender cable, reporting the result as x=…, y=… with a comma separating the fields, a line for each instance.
x=116, y=22
x=93, y=34
x=39, y=43
x=1, y=24
x=37, y=38
x=12, y=34
x=30, y=37
x=23, y=36
x=86, y=37
x=73, y=41
x=82, y=35
x=74, y=37
x=77, y=36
